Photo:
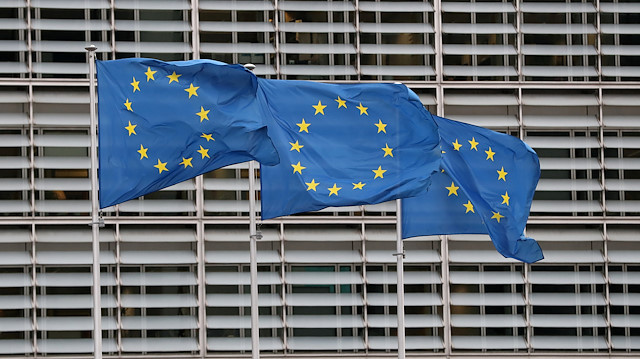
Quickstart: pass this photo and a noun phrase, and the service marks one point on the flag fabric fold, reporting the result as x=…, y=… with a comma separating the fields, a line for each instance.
x=344, y=145
x=485, y=186
x=162, y=123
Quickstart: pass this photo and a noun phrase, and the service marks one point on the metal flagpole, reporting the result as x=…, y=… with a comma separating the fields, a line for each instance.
x=253, y=238
x=253, y=266
x=95, y=218
x=400, y=287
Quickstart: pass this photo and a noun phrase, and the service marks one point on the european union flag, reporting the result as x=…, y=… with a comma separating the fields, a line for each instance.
x=162, y=123
x=343, y=145
x=485, y=186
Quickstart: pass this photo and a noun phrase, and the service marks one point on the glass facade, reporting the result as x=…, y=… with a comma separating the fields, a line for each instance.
x=562, y=75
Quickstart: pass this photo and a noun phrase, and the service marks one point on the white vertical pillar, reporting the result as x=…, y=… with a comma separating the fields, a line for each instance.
x=95, y=219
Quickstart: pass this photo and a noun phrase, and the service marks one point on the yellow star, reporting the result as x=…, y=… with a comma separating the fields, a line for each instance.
x=452, y=190
x=204, y=152
x=143, y=152
x=298, y=168
x=362, y=109
x=173, y=77
x=456, y=145
x=334, y=190
x=312, y=185
x=473, y=143
x=192, y=90
x=204, y=114
x=502, y=175
x=358, y=185
x=387, y=150
x=131, y=128
x=303, y=126
x=136, y=85
x=161, y=166
x=381, y=126
x=295, y=146
x=469, y=207
x=209, y=137
x=379, y=172
x=505, y=198
x=341, y=102
x=150, y=74
x=497, y=216
x=186, y=162
x=319, y=108
x=128, y=105
x=490, y=154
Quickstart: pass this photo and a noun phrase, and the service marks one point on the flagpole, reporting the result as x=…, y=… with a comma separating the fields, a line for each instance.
x=253, y=266
x=95, y=218
x=253, y=238
x=400, y=287
x=400, y=273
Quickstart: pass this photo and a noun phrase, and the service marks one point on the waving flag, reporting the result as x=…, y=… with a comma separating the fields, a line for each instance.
x=485, y=186
x=344, y=145
x=162, y=123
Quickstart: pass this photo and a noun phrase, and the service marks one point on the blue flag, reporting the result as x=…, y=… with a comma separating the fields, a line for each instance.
x=343, y=145
x=485, y=186
x=162, y=123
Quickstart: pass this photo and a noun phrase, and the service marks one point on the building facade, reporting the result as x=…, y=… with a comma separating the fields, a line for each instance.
x=563, y=75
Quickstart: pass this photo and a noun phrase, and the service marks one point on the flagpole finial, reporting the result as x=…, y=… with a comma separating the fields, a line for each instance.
x=91, y=48
x=250, y=67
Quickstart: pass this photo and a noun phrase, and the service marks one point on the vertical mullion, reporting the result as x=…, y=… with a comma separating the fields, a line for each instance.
x=569, y=41
x=378, y=19
x=598, y=41
x=519, y=41
x=113, y=28
x=32, y=150
x=528, y=310
x=474, y=44
x=446, y=294
x=276, y=37
x=365, y=315
x=234, y=34
x=119, y=328
x=34, y=289
x=332, y=52
x=437, y=22
x=195, y=29
x=29, y=41
x=136, y=38
x=357, y=39
x=201, y=273
x=283, y=289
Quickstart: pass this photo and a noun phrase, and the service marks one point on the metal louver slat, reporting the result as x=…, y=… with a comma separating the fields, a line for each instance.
x=165, y=344
x=70, y=4
x=153, y=5
x=241, y=278
x=326, y=343
x=395, y=6
x=232, y=344
x=244, y=322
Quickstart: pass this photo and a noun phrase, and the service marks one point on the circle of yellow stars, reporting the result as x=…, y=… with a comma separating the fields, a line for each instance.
x=305, y=127
x=203, y=114
x=502, y=176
